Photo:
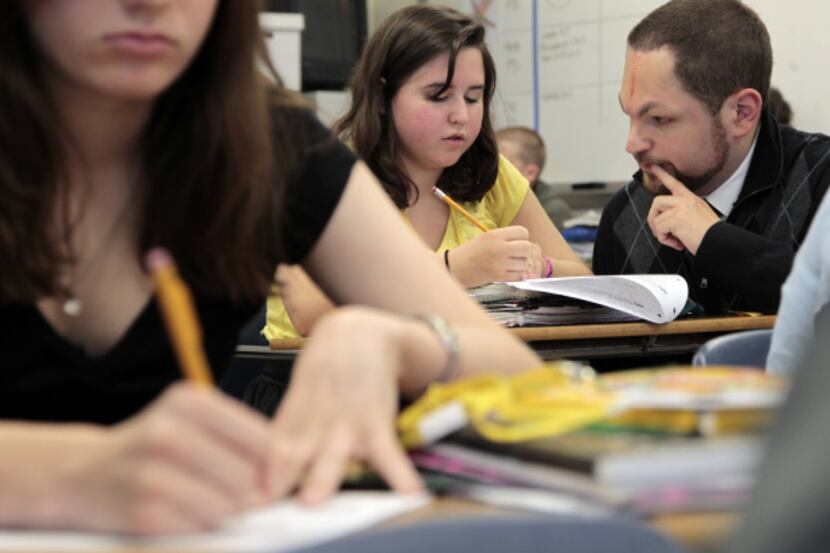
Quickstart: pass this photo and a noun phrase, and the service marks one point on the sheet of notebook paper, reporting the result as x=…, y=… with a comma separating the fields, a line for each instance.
x=276, y=528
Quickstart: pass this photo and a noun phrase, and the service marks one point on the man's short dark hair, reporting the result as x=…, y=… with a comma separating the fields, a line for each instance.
x=720, y=47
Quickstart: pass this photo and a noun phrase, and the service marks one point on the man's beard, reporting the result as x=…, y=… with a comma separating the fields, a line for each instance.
x=693, y=182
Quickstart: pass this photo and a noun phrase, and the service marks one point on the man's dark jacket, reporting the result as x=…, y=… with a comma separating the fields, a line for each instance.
x=742, y=261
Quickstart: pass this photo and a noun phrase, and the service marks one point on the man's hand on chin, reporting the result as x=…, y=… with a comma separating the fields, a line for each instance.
x=680, y=219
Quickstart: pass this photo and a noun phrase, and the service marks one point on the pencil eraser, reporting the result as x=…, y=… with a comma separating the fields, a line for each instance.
x=157, y=258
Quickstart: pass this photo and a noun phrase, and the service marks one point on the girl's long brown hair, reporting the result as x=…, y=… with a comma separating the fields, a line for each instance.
x=405, y=41
x=211, y=191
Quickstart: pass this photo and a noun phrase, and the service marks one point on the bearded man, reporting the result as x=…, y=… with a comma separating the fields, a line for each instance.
x=723, y=195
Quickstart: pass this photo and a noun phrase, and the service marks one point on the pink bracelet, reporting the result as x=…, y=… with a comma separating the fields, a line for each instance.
x=548, y=267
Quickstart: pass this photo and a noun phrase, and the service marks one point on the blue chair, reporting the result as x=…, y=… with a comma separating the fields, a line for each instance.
x=242, y=371
x=744, y=349
x=519, y=534
x=258, y=379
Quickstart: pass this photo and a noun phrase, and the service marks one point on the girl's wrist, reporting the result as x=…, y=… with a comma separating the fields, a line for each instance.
x=73, y=472
x=428, y=341
x=449, y=341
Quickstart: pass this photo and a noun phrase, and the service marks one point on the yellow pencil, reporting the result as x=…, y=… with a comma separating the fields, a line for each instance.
x=453, y=204
x=179, y=316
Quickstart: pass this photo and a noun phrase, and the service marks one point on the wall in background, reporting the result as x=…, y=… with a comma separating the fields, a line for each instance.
x=560, y=64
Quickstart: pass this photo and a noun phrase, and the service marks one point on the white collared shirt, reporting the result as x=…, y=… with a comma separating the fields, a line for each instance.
x=725, y=196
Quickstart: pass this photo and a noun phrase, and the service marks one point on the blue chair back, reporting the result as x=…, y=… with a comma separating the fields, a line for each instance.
x=242, y=371
x=744, y=349
x=518, y=534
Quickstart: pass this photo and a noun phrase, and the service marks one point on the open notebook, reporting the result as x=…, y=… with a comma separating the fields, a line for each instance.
x=276, y=528
x=588, y=299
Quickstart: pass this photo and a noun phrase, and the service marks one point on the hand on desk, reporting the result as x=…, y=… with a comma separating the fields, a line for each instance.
x=500, y=255
x=194, y=457
x=681, y=219
x=341, y=405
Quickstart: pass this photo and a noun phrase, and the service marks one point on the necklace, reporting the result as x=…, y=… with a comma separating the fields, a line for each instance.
x=71, y=304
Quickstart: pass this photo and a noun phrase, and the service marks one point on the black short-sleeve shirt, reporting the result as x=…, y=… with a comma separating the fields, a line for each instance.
x=45, y=377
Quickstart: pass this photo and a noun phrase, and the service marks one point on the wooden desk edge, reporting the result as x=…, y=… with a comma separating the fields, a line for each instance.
x=287, y=343
x=611, y=330
x=621, y=330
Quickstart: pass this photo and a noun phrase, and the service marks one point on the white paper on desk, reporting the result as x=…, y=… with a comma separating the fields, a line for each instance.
x=277, y=528
x=655, y=298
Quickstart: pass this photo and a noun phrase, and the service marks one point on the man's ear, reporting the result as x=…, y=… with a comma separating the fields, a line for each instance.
x=743, y=111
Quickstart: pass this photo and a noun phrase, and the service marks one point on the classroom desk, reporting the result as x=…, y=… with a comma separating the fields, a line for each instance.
x=695, y=531
x=594, y=341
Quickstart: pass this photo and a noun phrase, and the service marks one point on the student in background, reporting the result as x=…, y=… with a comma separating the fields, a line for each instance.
x=525, y=149
x=128, y=125
x=420, y=117
x=790, y=506
x=805, y=292
x=725, y=194
x=779, y=107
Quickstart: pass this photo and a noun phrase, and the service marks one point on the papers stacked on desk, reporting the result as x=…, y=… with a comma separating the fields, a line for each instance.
x=630, y=471
x=512, y=307
x=581, y=300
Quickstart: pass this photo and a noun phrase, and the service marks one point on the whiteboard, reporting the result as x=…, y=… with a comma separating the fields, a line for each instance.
x=560, y=63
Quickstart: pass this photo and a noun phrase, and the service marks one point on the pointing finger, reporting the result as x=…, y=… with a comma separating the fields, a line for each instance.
x=673, y=185
x=389, y=459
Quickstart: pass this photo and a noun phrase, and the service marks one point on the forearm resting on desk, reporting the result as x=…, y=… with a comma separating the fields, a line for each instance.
x=302, y=298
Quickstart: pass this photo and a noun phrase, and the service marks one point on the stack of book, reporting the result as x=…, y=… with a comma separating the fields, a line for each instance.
x=630, y=471
x=675, y=439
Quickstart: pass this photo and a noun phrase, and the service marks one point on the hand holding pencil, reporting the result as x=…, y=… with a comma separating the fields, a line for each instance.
x=499, y=255
x=189, y=460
